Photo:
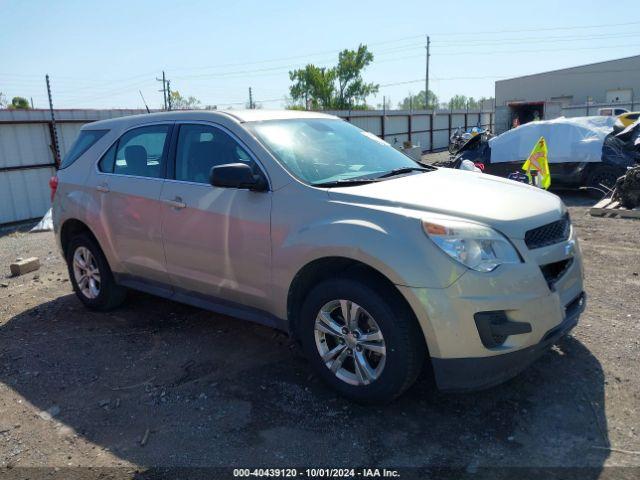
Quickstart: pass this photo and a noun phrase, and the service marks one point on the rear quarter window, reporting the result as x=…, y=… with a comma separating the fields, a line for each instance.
x=84, y=142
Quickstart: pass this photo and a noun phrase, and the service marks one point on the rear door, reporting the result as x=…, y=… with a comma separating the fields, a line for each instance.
x=128, y=181
x=217, y=240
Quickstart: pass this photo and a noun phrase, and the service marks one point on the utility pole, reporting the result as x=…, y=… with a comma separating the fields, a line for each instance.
x=54, y=131
x=169, y=93
x=164, y=88
x=250, y=99
x=426, y=80
x=31, y=102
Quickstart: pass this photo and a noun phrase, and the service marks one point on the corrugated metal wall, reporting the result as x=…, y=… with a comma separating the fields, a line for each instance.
x=27, y=161
x=428, y=129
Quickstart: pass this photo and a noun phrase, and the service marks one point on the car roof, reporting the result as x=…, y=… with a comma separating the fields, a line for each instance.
x=239, y=116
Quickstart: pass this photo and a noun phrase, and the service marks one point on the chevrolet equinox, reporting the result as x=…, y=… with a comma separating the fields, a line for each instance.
x=305, y=223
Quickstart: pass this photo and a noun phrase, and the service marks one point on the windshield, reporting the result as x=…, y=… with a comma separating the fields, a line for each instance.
x=319, y=151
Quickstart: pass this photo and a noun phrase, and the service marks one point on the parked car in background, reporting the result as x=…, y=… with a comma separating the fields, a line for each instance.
x=612, y=111
x=581, y=152
x=303, y=222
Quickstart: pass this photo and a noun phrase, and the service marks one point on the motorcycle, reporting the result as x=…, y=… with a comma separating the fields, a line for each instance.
x=459, y=138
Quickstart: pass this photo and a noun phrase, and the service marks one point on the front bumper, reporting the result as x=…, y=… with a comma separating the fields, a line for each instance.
x=522, y=294
x=464, y=374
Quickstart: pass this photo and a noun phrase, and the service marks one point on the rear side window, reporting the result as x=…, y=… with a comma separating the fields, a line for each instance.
x=141, y=152
x=84, y=141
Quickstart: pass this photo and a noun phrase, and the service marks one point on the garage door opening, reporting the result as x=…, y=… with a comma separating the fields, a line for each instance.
x=525, y=112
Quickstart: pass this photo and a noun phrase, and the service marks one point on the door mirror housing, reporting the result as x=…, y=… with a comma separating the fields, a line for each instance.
x=237, y=175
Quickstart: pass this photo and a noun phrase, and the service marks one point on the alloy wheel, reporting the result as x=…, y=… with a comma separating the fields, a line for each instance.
x=86, y=272
x=350, y=342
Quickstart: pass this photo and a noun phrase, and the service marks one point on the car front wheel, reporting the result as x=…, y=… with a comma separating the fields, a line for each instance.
x=362, y=339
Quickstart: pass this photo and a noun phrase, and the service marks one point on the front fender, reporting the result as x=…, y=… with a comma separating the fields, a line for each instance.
x=396, y=248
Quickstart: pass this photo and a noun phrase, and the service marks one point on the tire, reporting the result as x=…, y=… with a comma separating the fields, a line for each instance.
x=602, y=174
x=403, y=342
x=103, y=294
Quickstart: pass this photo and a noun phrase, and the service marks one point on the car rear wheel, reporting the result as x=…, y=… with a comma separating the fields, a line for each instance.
x=91, y=276
x=361, y=339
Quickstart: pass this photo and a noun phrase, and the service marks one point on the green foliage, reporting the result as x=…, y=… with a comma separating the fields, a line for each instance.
x=462, y=102
x=19, y=103
x=340, y=87
x=178, y=102
x=416, y=102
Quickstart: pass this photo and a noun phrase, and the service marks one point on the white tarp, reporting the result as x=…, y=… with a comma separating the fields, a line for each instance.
x=576, y=139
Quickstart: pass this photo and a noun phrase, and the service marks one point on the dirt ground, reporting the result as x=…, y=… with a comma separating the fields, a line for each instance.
x=157, y=384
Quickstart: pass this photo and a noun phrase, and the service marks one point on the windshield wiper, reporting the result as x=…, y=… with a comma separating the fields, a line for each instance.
x=346, y=182
x=400, y=171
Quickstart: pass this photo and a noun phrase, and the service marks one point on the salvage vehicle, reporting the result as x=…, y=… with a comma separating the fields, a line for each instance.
x=580, y=153
x=628, y=118
x=303, y=222
x=612, y=111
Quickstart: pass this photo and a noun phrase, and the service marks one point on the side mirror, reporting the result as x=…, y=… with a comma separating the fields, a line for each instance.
x=237, y=175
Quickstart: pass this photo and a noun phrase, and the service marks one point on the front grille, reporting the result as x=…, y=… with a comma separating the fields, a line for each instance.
x=552, y=272
x=549, y=234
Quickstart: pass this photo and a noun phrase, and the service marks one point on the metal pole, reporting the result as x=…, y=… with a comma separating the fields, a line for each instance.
x=426, y=80
x=164, y=88
x=54, y=131
x=250, y=99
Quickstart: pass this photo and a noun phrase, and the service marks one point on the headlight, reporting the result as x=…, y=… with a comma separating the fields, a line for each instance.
x=475, y=246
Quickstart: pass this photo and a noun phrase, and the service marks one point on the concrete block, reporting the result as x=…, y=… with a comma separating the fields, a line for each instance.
x=24, y=266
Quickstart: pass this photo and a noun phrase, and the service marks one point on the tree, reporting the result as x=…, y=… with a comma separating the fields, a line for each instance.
x=19, y=103
x=462, y=102
x=416, y=102
x=340, y=87
x=352, y=89
x=3, y=100
x=314, y=86
x=458, y=102
x=178, y=102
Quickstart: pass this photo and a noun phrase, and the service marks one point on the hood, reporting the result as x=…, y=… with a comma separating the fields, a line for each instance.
x=508, y=206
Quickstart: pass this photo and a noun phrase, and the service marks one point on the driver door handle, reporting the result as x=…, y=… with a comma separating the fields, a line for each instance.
x=176, y=203
x=103, y=188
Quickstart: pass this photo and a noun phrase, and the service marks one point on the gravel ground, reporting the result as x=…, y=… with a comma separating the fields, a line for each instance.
x=158, y=384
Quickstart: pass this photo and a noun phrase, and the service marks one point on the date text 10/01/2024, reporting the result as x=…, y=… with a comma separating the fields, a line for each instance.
x=316, y=472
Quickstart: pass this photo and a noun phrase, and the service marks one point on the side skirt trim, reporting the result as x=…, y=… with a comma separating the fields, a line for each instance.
x=206, y=302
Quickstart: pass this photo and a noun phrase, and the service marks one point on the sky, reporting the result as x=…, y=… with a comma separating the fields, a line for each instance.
x=100, y=54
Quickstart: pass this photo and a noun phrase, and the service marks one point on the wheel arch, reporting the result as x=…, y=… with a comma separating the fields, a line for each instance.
x=323, y=268
x=72, y=227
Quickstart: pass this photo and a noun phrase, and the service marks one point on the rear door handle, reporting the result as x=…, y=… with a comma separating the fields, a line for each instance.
x=103, y=188
x=176, y=203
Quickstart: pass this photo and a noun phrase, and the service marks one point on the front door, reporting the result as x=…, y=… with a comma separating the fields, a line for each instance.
x=217, y=240
x=128, y=182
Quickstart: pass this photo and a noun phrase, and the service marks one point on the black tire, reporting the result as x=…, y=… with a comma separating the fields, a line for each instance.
x=403, y=338
x=602, y=175
x=111, y=295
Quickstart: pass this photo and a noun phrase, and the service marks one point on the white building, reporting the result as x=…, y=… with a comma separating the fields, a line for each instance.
x=570, y=91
